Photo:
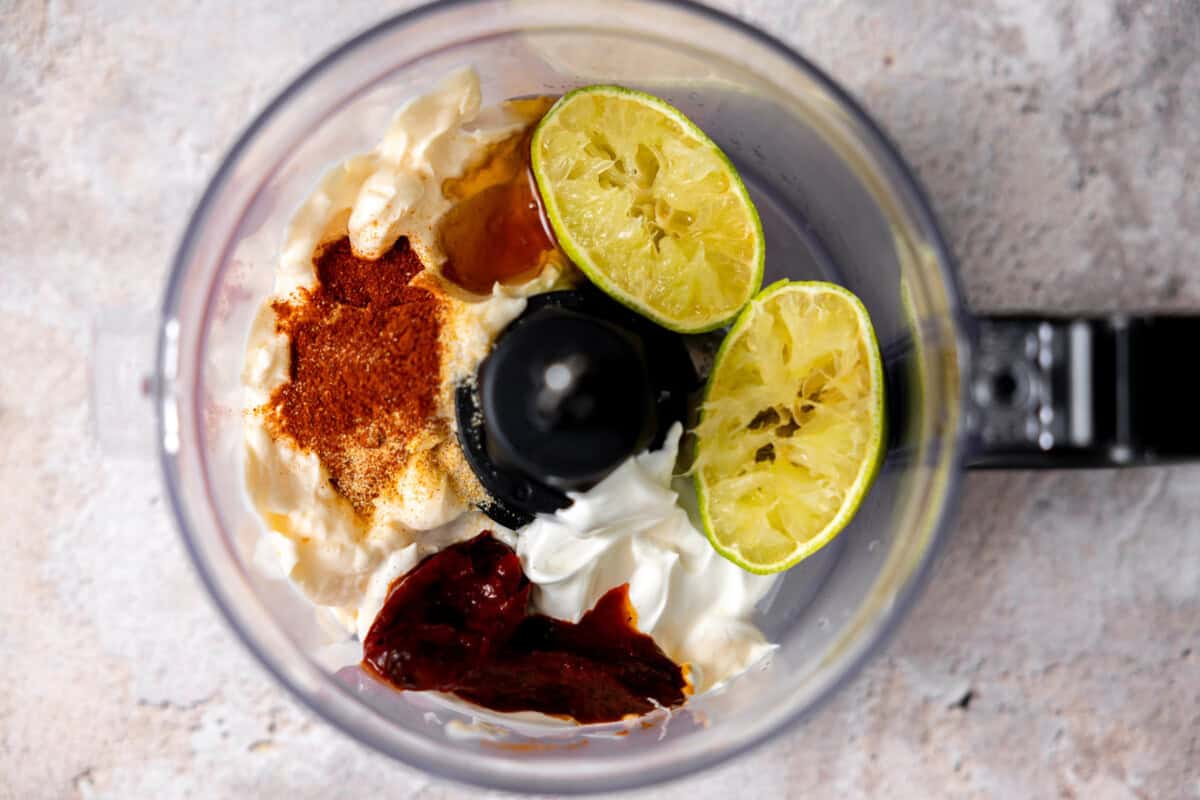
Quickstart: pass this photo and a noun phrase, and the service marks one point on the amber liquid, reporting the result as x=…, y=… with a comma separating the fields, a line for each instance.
x=497, y=230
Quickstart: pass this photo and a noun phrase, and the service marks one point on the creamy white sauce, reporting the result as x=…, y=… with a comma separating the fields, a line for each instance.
x=630, y=528
x=330, y=554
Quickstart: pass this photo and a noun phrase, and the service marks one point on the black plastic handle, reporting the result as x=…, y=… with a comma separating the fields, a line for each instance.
x=1075, y=392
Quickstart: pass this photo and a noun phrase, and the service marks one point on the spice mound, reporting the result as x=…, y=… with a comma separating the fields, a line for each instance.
x=365, y=367
x=457, y=623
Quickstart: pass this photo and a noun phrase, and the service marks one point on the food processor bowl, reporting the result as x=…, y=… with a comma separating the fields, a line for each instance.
x=837, y=203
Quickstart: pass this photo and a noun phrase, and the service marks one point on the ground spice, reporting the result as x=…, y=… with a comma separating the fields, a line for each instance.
x=365, y=367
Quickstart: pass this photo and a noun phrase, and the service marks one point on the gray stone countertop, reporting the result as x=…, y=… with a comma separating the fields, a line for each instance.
x=1056, y=653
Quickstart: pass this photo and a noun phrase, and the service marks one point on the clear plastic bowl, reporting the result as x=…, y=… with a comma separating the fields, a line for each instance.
x=837, y=202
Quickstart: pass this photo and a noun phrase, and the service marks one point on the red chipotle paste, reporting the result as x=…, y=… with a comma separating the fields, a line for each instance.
x=457, y=623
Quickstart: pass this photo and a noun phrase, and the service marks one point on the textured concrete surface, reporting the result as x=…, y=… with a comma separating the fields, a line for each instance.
x=1057, y=651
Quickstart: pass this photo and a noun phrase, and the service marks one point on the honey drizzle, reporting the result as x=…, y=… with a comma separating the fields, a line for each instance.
x=497, y=229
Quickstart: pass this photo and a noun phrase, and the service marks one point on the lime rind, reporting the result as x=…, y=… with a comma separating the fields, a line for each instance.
x=640, y=283
x=866, y=471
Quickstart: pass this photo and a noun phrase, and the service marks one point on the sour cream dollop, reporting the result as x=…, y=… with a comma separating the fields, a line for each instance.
x=631, y=527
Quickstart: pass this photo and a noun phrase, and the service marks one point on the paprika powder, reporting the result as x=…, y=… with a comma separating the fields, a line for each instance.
x=365, y=367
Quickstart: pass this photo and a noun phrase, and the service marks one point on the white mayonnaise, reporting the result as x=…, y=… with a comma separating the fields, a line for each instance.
x=332, y=555
x=630, y=528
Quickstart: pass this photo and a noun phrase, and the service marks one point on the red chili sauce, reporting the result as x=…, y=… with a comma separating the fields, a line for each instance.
x=457, y=622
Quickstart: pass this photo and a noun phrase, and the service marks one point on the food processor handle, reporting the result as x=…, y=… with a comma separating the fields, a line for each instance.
x=120, y=382
x=1078, y=392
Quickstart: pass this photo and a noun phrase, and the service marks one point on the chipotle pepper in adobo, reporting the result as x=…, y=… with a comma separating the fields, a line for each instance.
x=457, y=623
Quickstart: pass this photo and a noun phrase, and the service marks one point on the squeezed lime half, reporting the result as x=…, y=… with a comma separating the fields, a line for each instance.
x=648, y=207
x=791, y=431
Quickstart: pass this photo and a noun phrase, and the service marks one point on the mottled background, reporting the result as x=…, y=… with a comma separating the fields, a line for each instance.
x=1056, y=651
